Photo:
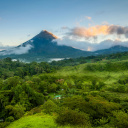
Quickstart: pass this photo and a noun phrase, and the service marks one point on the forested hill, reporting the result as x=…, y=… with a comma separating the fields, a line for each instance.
x=81, y=60
x=91, y=95
x=10, y=68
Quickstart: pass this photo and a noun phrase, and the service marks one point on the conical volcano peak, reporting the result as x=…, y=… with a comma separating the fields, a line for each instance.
x=47, y=35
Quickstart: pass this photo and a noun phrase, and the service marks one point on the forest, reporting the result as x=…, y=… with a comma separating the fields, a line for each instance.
x=86, y=92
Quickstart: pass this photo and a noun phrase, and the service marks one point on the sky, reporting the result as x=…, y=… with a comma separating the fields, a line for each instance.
x=89, y=21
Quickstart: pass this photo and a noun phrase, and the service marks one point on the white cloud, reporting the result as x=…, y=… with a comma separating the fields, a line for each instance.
x=17, y=50
x=87, y=46
x=5, y=47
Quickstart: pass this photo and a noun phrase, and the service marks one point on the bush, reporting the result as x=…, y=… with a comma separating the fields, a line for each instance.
x=97, y=85
x=33, y=111
x=16, y=111
x=121, y=88
x=102, y=107
x=4, y=124
x=10, y=119
x=49, y=107
x=120, y=119
x=72, y=117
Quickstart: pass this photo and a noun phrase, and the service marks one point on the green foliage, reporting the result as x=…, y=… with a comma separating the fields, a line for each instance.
x=10, y=119
x=8, y=68
x=34, y=121
x=109, y=66
x=96, y=85
x=11, y=82
x=119, y=88
x=4, y=124
x=91, y=94
x=72, y=117
x=52, y=87
x=120, y=119
x=102, y=107
x=33, y=111
x=49, y=106
x=16, y=111
x=103, y=121
x=74, y=102
x=37, y=121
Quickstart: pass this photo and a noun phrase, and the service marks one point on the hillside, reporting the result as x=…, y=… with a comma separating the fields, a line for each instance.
x=114, y=49
x=36, y=121
x=88, y=95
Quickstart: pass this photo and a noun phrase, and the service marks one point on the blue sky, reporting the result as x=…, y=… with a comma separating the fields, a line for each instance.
x=20, y=20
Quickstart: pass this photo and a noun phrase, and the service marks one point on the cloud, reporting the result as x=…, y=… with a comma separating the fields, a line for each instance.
x=98, y=30
x=118, y=30
x=89, y=32
x=17, y=50
x=87, y=46
x=95, y=37
x=89, y=18
x=22, y=50
x=4, y=47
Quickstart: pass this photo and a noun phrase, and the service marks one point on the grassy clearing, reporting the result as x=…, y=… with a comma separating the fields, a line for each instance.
x=37, y=121
x=79, y=70
x=34, y=121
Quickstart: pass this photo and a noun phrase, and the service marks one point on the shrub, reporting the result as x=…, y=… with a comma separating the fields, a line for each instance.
x=119, y=88
x=4, y=124
x=16, y=111
x=102, y=107
x=120, y=119
x=49, y=107
x=72, y=117
x=10, y=119
x=33, y=111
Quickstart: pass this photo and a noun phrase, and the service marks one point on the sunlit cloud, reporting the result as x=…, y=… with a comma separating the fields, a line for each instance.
x=90, y=32
x=94, y=31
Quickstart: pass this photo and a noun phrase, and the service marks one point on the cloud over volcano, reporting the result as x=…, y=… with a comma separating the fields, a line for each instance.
x=97, y=30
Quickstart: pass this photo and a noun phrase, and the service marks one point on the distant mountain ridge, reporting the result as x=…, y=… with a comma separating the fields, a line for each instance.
x=113, y=49
x=43, y=46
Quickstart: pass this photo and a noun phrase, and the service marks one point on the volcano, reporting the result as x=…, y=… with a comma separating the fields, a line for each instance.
x=43, y=46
